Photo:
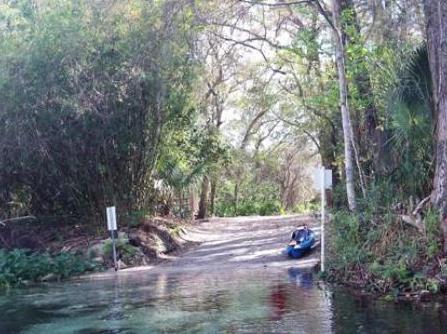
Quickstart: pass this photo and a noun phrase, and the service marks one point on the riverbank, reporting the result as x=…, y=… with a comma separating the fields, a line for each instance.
x=226, y=244
x=384, y=257
x=35, y=251
x=163, y=244
x=368, y=260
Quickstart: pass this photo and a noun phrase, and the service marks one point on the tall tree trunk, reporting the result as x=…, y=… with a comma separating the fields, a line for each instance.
x=436, y=16
x=214, y=179
x=370, y=140
x=203, y=204
x=346, y=121
x=236, y=198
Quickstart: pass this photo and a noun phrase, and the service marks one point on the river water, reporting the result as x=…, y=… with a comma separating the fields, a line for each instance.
x=262, y=300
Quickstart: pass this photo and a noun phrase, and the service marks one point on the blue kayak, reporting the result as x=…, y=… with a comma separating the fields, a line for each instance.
x=304, y=246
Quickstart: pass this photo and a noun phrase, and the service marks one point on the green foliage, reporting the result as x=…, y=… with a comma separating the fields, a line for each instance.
x=382, y=194
x=307, y=207
x=374, y=246
x=398, y=278
x=395, y=272
x=89, y=95
x=434, y=244
x=135, y=218
x=188, y=152
x=268, y=182
x=382, y=253
x=249, y=207
x=346, y=238
x=20, y=266
x=124, y=250
x=255, y=196
x=402, y=87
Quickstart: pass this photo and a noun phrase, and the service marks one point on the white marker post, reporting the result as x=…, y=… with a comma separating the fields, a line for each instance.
x=323, y=181
x=111, y=225
x=323, y=216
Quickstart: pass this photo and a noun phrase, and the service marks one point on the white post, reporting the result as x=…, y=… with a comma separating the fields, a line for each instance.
x=323, y=214
x=114, y=250
x=112, y=227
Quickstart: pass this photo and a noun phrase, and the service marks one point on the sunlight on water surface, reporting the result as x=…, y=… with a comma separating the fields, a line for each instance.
x=228, y=301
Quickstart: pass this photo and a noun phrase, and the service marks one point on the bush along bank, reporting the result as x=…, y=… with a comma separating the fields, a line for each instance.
x=20, y=267
x=64, y=252
x=383, y=255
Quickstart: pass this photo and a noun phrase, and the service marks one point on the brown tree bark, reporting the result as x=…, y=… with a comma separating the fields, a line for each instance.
x=436, y=20
x=214, y=179
x=236, y=198
x=203, y=204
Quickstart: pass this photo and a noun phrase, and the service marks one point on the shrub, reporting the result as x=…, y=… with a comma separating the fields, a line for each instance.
x=20, y=266
x=345, y=247
x=307, y=207
x=249, y=208
x=433, y=233
x=381, y=252
x=124, y=250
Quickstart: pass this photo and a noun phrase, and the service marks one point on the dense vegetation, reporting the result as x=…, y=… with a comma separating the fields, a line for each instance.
x=91, y=95
x=200, y=108
x=21, y=266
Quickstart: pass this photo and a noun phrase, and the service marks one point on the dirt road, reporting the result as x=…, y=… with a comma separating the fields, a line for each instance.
x=244, y=242
x=237, y=243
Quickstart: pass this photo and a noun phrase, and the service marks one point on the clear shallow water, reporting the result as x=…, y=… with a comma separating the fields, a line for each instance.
x=229, y=301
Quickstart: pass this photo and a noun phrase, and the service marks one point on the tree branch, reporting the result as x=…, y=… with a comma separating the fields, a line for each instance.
x=312, y=137
x=414, y=218
x=317, y=4
x=276, y=4
x=16, y=219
